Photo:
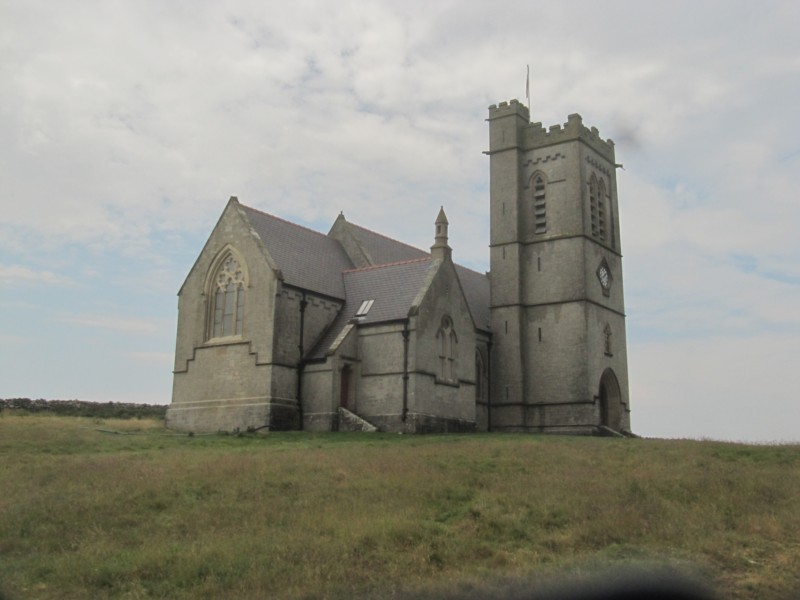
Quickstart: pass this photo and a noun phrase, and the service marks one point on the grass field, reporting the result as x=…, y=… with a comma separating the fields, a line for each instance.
x=123, y=509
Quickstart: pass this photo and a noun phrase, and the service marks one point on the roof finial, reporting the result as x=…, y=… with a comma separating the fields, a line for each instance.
x=440, y=249
x=528, y=89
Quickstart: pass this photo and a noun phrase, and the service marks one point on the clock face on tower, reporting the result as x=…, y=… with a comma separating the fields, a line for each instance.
x=604, y=275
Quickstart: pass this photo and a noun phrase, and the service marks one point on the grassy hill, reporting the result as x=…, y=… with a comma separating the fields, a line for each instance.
x=124, y=509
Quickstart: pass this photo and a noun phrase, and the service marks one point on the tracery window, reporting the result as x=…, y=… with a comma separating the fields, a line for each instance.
x=227, y=298
x=539, y=203
x=446, y=340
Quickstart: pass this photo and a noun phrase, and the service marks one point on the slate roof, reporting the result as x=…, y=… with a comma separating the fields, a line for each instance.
x=318, y=263
x=393, y=288
x=477, y=294
x=384, y=249
x=307, y=259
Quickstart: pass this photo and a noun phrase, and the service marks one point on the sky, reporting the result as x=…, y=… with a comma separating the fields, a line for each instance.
x=126, y=126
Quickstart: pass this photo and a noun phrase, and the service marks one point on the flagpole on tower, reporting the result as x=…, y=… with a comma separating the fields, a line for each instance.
x=528, y=90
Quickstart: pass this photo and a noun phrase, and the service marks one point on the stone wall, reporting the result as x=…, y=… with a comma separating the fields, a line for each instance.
x=436, y=394
x=224, y=383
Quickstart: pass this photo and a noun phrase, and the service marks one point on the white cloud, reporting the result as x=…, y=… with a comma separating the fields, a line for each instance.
x=16, y=274
x=727, y=388
x=15, y=339
x=162, y=358
x=123, y=324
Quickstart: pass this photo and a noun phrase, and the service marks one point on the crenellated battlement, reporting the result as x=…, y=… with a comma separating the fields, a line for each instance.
x=504, y=109
x=535, y=135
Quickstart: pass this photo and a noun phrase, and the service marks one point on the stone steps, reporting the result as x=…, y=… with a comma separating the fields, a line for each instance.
x=349, y=421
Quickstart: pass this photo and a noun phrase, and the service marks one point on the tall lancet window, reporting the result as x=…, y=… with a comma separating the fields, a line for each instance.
x=227, y=298
x=446, y=340
x=538, y=185
x=597, y=207
x=602, y=221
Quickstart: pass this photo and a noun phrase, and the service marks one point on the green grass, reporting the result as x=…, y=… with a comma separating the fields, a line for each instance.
x=145, y=513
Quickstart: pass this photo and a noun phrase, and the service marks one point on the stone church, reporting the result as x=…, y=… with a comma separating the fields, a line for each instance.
x=281, y=327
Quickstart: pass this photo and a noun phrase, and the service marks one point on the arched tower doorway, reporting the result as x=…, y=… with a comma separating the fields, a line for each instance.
x=610, y=401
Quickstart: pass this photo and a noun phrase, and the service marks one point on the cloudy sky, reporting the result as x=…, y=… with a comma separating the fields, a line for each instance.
x=125, y=127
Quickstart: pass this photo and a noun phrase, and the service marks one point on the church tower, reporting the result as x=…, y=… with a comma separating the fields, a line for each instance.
x=559, y=356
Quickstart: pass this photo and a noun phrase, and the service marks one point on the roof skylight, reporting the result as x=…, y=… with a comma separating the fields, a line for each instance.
x=364, y=308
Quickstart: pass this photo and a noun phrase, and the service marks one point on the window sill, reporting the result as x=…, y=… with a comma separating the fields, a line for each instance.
x=224, y=341
x=447, y=382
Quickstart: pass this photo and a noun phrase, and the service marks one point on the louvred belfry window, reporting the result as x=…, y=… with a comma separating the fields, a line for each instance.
x=597, y=207
x=539, y=204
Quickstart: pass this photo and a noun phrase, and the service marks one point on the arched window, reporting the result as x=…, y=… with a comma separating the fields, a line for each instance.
x=538, y=192
x=226, y=293
x=446, y=341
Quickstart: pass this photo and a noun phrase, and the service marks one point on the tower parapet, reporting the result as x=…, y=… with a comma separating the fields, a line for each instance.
x=528, y=136
x=504, y=109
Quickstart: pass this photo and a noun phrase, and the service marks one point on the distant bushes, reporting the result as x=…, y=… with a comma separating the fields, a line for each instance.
x=80, y=408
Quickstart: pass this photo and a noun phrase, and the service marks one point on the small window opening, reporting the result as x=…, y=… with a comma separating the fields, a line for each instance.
x=607, y=335
x=364, y=308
